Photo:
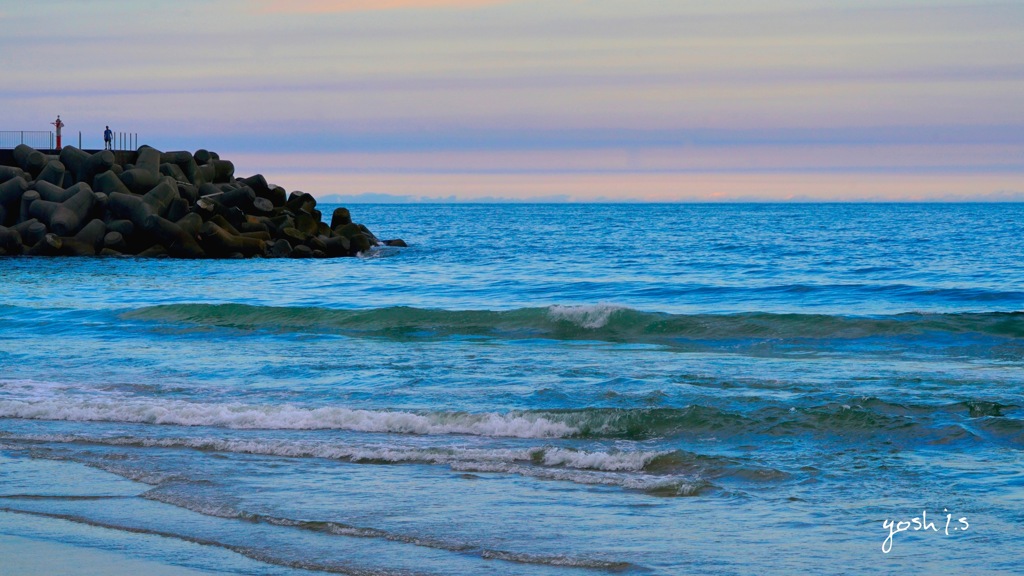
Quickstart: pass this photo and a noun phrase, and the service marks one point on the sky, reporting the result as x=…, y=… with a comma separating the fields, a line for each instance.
x=557, y=100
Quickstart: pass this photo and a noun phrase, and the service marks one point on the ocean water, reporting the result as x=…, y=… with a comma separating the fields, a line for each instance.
x=535, y=389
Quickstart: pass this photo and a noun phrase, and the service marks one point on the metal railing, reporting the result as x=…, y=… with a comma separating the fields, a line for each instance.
x=42, y=140
x=34, y=138
x=119, y=141
x=125, y=141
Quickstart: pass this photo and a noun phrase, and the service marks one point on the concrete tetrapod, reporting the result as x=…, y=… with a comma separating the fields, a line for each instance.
x=218, y=241
x=148, y=159
x=49, y=245
x=10, y=242
x=10, y=172
x=53, y=192
x=52, y=173
x=11, y=193
x=63, y=218
x=27, y=199
x=92, y=234
x=139, y=181
x=29, y=159
x=186, y=163
x=109, y=182
x=139, y=208
x=31, y=231
x=178, y=243
x=114, y=241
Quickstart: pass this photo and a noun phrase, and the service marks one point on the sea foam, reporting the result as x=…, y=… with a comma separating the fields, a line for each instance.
x=589, y=317
x=285, y=417
x=543, y=456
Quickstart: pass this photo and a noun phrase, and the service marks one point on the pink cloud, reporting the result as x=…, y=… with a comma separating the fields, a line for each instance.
x=332, y=6
x=649, y=187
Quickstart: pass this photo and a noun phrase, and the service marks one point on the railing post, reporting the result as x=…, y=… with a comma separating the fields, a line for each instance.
x=22, y=136
x=79, y=139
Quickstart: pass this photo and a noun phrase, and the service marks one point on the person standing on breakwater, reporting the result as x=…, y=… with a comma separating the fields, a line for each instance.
x=107, y=137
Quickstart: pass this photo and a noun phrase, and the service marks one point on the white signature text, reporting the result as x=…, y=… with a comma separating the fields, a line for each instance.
x=922, y=523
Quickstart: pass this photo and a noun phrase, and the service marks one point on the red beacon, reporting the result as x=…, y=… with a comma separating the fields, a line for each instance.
x=59, y=125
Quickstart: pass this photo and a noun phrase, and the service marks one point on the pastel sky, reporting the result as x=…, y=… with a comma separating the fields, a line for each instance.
x=642, y=100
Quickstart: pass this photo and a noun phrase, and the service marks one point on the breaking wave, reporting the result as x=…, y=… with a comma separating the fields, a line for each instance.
x=866, y=417
x=598, y=322
x=285, y=417
x=662, y=473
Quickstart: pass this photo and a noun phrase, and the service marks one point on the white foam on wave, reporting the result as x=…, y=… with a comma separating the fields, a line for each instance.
x=33, y=388
x=610, y=461
x=286, y=417
x=623, y=469
x=614, y=461
x=674, y=485
x=590, y=317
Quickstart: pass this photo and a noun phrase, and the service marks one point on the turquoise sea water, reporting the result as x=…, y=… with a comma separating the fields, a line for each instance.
x=535, y=389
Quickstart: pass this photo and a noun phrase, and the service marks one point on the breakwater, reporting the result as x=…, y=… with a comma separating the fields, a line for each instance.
x=151, y=203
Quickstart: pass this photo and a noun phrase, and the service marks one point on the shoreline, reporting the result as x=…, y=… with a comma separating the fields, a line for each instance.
x=42, y=555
